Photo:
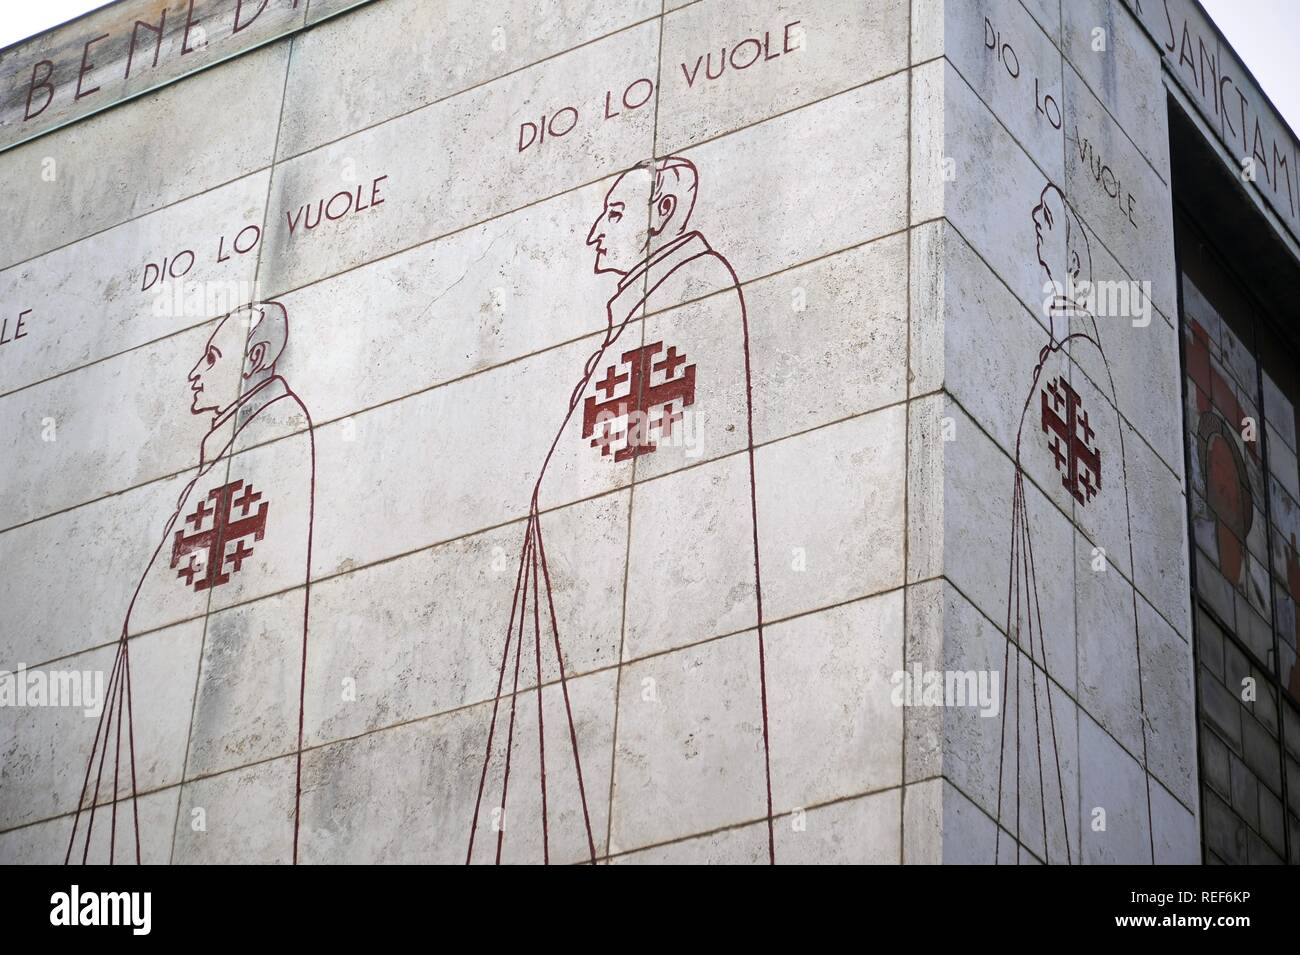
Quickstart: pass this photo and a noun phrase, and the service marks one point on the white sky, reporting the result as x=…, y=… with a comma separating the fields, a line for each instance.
x=1265, y=34
x=24, y=18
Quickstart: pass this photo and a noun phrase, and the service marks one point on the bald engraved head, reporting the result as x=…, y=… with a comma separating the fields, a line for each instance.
x=647, y=207
x=240, y=354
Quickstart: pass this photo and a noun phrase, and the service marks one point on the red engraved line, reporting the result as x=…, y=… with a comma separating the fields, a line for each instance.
x=99, y=775
x=1012, y=580
x=1033, y=678
x=612, y=334
x=1018, y=655
x=564, y=687
x=514, y=694
x=1056, y=750
x=130, y=729
x=1015, y=509
x=496, y=699
x=121, y=673
x=306, y=609
x=120, y=678
x=117, y=767
x=1021, y=532
x=758, y=579
x=99, y=728
x=121, y=659
x=541, y=726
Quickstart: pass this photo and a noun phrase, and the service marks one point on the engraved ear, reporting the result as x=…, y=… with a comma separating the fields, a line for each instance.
x=665, y=206
x=256, y=359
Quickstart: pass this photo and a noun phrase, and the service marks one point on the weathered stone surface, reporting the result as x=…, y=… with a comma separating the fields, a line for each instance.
x=121, y=50
x=40, y=782
x=101, y=178
x=1112, y=54
x=728, y=65
x=1168, y=700
x=1113, y=783
x=850, y=448
x=352, y=64
x=1015, y=69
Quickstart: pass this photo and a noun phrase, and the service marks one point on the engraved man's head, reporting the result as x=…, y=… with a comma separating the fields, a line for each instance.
x=1060, y=242
x=1064, y=258
x=647, y=207
x=239, y=355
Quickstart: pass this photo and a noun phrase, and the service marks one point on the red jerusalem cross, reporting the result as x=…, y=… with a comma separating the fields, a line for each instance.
x=1070, y=441
x=224, y=529
x=637, y=400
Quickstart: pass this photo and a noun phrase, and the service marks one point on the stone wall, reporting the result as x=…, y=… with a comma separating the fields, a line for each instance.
x=415, y=185
x=1057, y=510
x=748, y=370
